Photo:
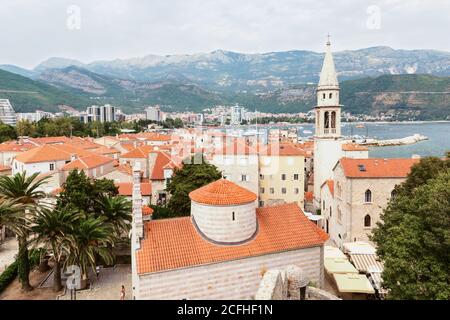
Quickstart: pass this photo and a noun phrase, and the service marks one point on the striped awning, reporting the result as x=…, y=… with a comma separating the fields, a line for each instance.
x=366, y=263
x=375, y=279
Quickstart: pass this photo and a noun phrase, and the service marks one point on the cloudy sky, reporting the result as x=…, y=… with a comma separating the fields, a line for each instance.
x=88, y=30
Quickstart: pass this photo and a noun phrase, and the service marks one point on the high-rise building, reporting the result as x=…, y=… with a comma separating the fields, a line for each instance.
x=154, y=113
x=237, y=114
x=106, y=113
x=7, y=113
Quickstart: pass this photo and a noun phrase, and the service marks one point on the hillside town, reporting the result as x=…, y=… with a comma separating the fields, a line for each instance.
x=208, y=211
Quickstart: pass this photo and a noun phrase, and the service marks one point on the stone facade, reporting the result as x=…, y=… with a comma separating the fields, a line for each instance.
x=234, y=223
x=350, y=209
x=237, y=279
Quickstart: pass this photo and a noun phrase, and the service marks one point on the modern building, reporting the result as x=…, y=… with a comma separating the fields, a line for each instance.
x=7, y=113
x=34, y=116
x=237, y=115
x=223, y=249
x=154, y=113
x=106, y=113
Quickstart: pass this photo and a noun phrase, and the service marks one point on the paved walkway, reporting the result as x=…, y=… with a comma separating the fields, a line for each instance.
x=8, y=250
x=107, y=286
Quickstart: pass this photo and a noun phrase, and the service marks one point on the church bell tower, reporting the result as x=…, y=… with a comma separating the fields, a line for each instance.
x=328, y=109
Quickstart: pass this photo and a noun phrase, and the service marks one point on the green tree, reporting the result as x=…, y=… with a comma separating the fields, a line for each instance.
x=117, y=212
x=89, y=238
x=81, y=192
x=51, y=228
x=25, y=190
x=413, y=236
x=7, y=132
x=191, y=176
x=25, y=128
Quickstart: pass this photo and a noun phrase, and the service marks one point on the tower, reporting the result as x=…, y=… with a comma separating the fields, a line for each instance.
x=327, y=137
x=328, y=109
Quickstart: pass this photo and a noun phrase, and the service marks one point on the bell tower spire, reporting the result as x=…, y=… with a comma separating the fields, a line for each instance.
x=328, y=109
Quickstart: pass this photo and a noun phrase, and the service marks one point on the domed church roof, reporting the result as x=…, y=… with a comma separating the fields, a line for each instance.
x=222, y=192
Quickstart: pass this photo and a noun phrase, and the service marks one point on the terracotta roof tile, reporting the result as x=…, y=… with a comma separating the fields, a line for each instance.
x=126, y=189
x=377, y=167
x=175, y=243
x=309, y=196
x=139, y=152
x=222, y=192
x=147, y=211
x=14, y=146
x=88, y=162
x=162, y=160
x=353, y=147
x=283, y=149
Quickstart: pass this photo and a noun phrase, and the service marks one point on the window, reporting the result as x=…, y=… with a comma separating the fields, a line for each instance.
x=283, y=190
x=362, y=167
x=272, y=190
x=233, y=216
x=244, y=177
x=339, y=214
x=52, y=166
x=339, y=190
x=296, y=190
x=330, y=212
x=323, y=204
x=323, y=96
x=261, y=176
x=331, y=95
x=261, y=203
x=283, y=177
x=368, y=196
x=367, y=221
x=296, y=176
x=393, y=193
x=261, y=190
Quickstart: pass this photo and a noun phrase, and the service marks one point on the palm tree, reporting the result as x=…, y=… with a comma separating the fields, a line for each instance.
x=117, y=212
x=52, y=228
x=89, y=238
x=11, y=215
x=24, y=190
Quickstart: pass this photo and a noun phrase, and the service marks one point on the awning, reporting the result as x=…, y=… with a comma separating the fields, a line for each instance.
x=376, y=282
x=366, y=263
x=353, y=283
x=339, y=265
x=358, y=247
x=333, y=252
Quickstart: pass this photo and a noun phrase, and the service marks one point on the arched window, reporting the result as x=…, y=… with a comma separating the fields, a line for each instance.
x=368, y=196
x=333, y=120
x=393, y=193
x=331, y=95
x=323, y=205
x=367, y=221
x=323, y=96
x=339, y=190
x=327, y=120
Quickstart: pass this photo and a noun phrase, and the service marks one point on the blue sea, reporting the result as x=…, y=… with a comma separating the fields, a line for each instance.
x=438, y=134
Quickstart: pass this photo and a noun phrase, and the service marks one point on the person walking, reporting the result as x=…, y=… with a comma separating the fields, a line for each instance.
x=122, y=293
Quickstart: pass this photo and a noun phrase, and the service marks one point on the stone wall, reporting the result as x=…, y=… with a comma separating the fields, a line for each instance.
x=237, y=279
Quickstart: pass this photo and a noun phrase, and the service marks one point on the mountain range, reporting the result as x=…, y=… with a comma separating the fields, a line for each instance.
x=373, y=80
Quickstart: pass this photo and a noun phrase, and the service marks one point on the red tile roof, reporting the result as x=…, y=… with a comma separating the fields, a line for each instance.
x=139, y=152
x=330, y=184
x=376, y=167
x=222, y=192
x=88, y=162
x=309, y=196
x=126, y=189
x=147, y=211
x=175, y=243
x=354, y=147
x=283, y=149
x=14, y=146
x=162, y=160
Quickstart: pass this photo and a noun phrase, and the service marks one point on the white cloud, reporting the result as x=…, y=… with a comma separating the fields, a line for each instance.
x=112, y=29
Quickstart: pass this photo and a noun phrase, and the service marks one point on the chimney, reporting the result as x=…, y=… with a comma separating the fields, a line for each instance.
x=138, y=224
x=73, y=157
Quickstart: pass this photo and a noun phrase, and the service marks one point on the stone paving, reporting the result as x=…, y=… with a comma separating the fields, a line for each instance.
x=8, y=250
x=107, y=286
